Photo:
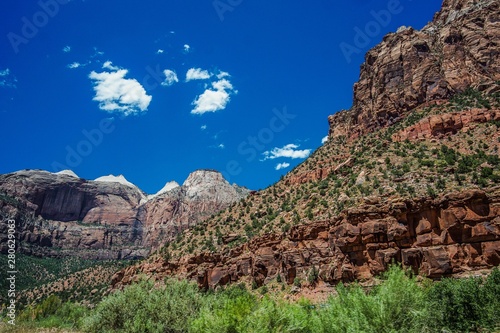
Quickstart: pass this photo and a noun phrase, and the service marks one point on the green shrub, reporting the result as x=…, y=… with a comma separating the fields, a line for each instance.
x=396, y=305
x=52, y=313
x=144, y=308
x=465, y=305
x=225, y=311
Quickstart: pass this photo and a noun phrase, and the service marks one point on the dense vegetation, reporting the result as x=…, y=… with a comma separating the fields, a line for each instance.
x=70, y=278
x=398, y=304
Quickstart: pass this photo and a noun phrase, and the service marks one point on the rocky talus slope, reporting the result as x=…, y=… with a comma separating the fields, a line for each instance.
x=411, y=174
x=109, y=218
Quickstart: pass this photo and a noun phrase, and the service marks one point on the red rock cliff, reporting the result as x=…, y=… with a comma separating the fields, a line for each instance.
x=458, y=49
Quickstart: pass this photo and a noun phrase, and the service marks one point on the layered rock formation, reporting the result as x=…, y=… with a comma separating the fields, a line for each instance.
x=449, y=123
x=109, y=218
x=456, y=233
x=457, y=50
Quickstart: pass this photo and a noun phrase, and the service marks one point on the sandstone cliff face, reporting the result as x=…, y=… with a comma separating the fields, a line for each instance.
x=459, y=49
x=456, y=233
x=449, y=123
x=204, y=193
x=61, y=214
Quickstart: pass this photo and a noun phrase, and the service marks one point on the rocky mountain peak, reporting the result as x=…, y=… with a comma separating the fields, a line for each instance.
x=203, y=176
x=410, y=68
x=208, y=183
x=453, y=9
x=115, y=179
x=169, y=186
x=67, y=173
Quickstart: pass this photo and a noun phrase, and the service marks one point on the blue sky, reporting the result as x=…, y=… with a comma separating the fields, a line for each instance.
x=156, y=89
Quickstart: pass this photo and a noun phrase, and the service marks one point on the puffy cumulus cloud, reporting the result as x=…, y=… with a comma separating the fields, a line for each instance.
x=160, y=51
x=115, y=93
x=288, y=151
x=203, y=127
x=170, y=78
x=215, y=98
x=187, y=48
x=324, y=140
x=280, y=166
x=197, y=74
x=66, y=49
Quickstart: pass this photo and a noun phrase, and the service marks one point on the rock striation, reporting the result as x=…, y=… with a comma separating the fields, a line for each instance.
x=449, y=123
x=457, y=50
x=109, y=218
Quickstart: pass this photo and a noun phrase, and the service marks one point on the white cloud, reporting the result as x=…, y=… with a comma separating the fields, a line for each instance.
x=76, y=65
x=280, y=166
x=324, y=140
x=115, y=93
x=197, y=74
x=5, y=72
x=222, y=75
x=160, y=51
x=215, y=99
x=187, y=48
x=170, y=78
x=109, y=65
x=288, y=151
x=203, y=127
x=221, y=146
x=66, y=49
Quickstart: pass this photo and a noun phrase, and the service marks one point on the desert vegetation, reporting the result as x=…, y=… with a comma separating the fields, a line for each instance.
x=400, y=302
x=354, y=172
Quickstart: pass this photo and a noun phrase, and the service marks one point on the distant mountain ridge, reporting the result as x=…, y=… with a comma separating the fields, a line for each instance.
x=107, y=218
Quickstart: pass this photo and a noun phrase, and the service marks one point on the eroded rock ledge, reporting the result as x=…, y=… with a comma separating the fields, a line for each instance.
x=448, y=123
x=455, y=233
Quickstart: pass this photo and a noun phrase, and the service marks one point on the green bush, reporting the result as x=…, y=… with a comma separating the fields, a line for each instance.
x=144, y=308
x=464, y=305
x=396, y=305
x=237, y=310
x=225, y=311
x=52, y=313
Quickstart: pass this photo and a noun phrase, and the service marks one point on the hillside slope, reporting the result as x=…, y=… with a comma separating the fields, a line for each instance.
x=410, y=173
